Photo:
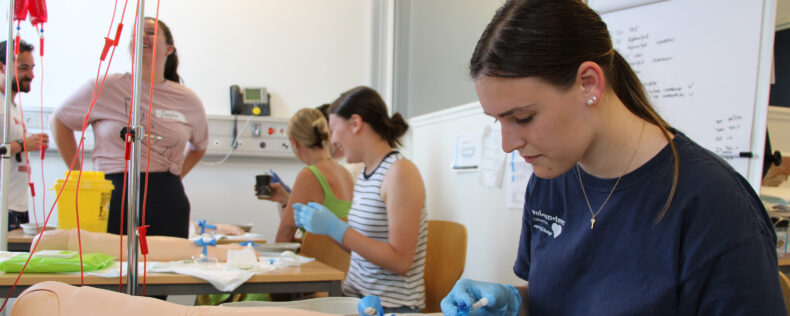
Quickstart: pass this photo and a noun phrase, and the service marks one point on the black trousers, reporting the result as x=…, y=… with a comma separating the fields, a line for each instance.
x=167, y=206
x=16, y=219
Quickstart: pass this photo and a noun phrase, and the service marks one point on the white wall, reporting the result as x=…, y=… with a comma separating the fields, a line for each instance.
x=493, y=230
x=435, y=43
x=305, y=52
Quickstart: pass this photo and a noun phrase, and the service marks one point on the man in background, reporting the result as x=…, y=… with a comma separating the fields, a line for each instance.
x=18, y=181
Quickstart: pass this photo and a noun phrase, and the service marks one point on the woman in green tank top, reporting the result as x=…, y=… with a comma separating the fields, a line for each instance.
x=322, y=181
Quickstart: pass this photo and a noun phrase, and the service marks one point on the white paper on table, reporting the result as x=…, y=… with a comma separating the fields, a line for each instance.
x=283, y=259
x=467, y=151
x=492, y=160
x=517, y=174
x=221, y=276
x=207, y=237
x=5, y=255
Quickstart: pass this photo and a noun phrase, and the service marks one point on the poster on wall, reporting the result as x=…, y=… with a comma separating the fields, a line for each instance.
x=517, y=174
x=492, y=158
x=467, y=151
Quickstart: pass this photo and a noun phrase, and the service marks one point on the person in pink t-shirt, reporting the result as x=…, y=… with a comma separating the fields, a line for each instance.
x=179, y=134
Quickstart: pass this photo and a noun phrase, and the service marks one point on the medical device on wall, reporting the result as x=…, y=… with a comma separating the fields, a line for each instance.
x=253, y=136
x=249, y=101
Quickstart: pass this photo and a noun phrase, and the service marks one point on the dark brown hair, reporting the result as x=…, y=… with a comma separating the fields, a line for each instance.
x=550, y=39
x=366, y=102
x=171, y=64
x=24, y=47
x=324, y=108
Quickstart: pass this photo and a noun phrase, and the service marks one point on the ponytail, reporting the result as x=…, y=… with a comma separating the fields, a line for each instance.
x=630, y=91
x=309, y=128
x=367, y=103
x=320, y=129
x=171, y=64
x=171, y=67
x=396, y=127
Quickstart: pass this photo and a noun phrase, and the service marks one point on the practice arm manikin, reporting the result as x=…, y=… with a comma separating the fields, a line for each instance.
x=57, y=298
x=60, y=299
x=160, y=248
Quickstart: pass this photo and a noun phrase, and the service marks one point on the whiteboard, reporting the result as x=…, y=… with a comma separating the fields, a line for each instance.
x=706, y=68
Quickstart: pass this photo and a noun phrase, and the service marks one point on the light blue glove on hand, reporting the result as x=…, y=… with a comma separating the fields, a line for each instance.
x=370, y=301
x=502, y=299
x=318, y=219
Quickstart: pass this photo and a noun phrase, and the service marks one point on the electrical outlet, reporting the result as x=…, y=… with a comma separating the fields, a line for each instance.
x=255, y=130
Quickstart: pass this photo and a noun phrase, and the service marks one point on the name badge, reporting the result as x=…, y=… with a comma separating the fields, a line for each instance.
x=170, y=115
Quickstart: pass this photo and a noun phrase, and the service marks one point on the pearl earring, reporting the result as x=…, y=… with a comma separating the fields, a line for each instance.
x=592, y=100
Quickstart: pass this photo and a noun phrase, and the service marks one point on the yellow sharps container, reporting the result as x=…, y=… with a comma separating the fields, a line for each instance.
x=94, y=201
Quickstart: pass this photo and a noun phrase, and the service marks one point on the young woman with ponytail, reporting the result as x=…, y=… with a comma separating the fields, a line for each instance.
x=179, y=131
x=623, y=215
x=323, y=180
x=387, y=229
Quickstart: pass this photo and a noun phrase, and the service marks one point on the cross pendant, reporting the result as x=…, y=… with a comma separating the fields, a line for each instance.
x=592, y=223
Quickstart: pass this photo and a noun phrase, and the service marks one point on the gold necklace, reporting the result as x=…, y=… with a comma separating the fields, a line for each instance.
x=595, y=214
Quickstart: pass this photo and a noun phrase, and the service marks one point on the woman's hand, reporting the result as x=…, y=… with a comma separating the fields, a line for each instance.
x=317, y=219
x=278, y=194
x=499, y=299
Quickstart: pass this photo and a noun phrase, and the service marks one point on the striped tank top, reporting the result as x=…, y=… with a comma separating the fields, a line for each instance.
x=368, y=216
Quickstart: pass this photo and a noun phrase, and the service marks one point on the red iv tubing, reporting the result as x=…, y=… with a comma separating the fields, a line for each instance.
x=38, y=17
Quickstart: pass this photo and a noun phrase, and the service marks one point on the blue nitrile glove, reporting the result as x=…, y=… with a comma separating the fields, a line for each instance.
x=318, y=219
x=502, y=299
x=276, y=179
x=370, y=301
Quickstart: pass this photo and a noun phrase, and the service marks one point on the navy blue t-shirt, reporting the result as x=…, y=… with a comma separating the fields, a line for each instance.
x=712, y=254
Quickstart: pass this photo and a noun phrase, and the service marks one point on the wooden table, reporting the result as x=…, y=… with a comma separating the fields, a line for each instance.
x=313, y=276
x=19, y=241
x=236, y=241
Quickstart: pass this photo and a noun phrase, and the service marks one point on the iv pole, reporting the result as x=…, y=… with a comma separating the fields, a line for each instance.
x=133, y=178
x=5, y=161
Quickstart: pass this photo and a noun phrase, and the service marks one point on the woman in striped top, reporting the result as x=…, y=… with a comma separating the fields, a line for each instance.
x=389, y=196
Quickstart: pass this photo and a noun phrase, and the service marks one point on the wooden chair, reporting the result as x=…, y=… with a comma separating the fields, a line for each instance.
x=444, y=262
x=784, y=281
x=323, y=249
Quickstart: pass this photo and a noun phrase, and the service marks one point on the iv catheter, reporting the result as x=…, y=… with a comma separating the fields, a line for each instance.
x=203, y=225
x=203, y=260
x=464, y=310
